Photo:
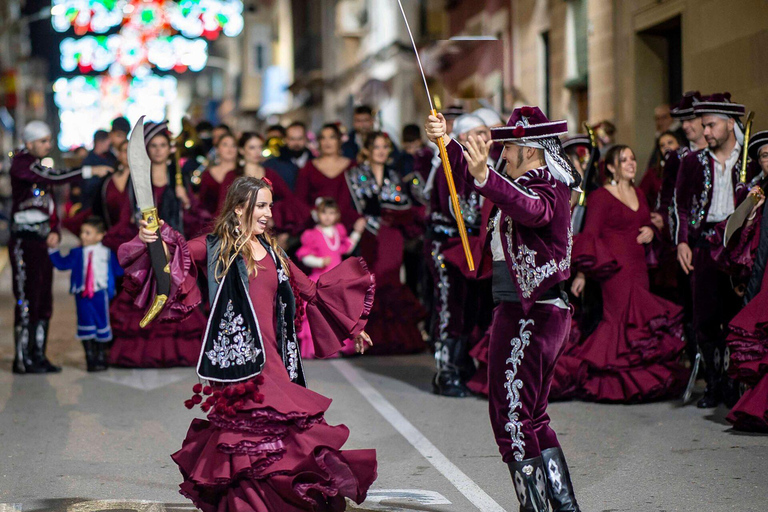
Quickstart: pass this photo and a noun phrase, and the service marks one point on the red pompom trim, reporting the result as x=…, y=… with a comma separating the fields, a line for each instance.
x=207, y=390
x=189, y=404
x=197, y=388
x=526, y=111
x=206, y=407
x=518, y=132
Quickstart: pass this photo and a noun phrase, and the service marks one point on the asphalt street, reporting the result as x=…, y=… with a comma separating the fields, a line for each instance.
x=86, y=442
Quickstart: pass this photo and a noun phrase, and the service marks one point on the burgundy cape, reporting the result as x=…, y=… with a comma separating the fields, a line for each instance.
x=274, y=450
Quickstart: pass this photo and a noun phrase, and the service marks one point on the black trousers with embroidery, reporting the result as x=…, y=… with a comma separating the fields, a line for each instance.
x=32, y=273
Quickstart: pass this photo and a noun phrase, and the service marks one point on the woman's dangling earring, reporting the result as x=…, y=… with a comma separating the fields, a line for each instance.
x=237, y=227
x=613, y=180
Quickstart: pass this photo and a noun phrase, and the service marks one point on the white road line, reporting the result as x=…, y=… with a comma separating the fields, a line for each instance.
x=429, y=451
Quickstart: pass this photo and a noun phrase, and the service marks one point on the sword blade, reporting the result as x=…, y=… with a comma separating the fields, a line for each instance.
x=141, y=167
x=737, y=219
x=692, y=379
x=416, y=51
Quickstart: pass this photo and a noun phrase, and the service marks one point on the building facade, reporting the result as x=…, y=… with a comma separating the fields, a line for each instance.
x=617, y=59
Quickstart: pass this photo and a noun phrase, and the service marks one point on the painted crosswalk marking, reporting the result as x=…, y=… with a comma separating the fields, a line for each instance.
x=465, y=485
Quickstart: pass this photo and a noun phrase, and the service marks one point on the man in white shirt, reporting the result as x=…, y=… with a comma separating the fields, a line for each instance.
x=707, y=191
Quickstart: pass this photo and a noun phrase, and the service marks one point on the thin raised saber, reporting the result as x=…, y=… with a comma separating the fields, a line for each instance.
x=443, y=156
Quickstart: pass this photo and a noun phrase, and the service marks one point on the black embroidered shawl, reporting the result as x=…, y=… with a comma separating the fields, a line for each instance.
x=233, y=349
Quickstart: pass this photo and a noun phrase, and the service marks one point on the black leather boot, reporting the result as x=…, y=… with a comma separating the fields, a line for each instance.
x=561, y=494
x=100, y=353
x=22, y=363
x=90, y=356
x=447, y=380
x=38, y=347
x=712, y=394
x=530, y=484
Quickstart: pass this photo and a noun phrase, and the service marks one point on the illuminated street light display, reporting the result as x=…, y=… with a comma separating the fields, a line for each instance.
x=126, y=41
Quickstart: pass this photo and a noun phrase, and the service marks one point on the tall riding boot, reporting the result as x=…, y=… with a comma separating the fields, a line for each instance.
x=712, y=394
x=559, y=484
x=530, y=484
x=729, y=388
x=38, y=348
x=448, y=355
x=90, y=356
x=22, y=363
x=100, y=355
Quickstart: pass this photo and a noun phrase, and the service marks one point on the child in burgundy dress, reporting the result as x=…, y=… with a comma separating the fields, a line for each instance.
x=322, y=248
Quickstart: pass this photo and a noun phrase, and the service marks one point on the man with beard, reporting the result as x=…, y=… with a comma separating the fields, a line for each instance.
x=362, y=125
x=293, y=156
x=529, y=251
x=707, y=191
x=34, y=230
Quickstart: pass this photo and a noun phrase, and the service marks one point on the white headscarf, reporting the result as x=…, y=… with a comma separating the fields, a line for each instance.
x=737, y=131
x=35, y=130
x=557, y=163
x=489, y=116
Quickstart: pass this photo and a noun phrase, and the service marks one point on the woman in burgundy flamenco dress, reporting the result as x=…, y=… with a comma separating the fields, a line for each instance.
x=213, y=178
x=390, y=216
x=289, y=215
x=265, y=445
x=161, y=344
x=325, y=177
x=633, y=354
x=746, y=257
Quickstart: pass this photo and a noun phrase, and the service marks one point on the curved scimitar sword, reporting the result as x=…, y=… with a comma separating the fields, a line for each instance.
x=443, y=156
x=141, y=177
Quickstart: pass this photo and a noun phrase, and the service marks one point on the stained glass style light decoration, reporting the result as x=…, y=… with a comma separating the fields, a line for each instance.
x=125, y=53
x=88, y=102
x=191, y=18
x=126, y=42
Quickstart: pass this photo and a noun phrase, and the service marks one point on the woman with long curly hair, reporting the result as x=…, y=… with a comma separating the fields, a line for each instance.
x=265, y=445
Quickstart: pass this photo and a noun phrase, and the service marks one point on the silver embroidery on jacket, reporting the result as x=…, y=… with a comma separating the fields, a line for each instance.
x=528, y=275
x=234, y=343
x=699, y=205
x=513, y=385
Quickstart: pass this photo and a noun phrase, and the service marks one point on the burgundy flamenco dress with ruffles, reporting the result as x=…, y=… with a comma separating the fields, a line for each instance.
x=748, y=331
x=634, y=353
x=161, y=344
x=272, y=450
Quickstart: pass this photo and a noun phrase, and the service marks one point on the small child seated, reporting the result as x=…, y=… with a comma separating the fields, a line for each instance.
x=94, y=269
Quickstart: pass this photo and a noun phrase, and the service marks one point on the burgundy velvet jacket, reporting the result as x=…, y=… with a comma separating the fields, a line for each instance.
x=666, y=203
x=693, y=194
x=34, y=210
x=536, y=225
